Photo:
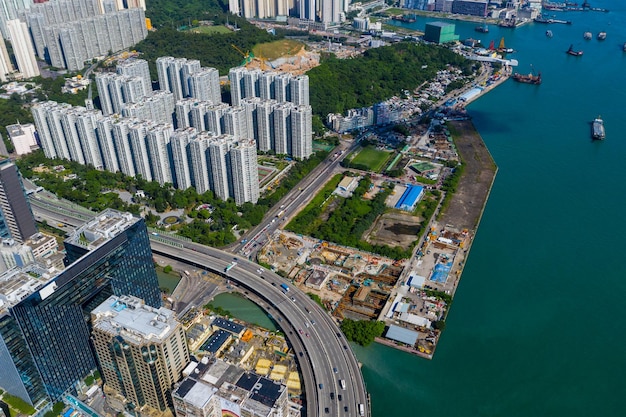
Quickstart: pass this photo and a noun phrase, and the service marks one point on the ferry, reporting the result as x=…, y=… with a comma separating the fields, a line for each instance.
x=597, y=129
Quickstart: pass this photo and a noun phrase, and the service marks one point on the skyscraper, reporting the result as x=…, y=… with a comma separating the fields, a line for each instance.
x=244, y=172
x=44, y=338
x=134, y=67
x=181, y=156
x=6, y=66
x=159, y=150
x=204, y=84
x=23, y=48
x=141, y=351
x=299, y=89
x=301, y=132
x=16, y=217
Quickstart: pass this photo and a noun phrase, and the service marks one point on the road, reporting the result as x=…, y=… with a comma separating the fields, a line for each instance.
x=291, y=203
x=323, y=353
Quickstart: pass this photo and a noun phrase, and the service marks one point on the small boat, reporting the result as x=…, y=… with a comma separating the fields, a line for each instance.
x=482, y=28
x=587, y=35
x=549, y=33
x=597, y=129
x=624, y=47
x=601, y=36
x=571, y=51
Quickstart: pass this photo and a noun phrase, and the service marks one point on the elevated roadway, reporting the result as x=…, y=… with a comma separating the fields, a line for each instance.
x=323, y=353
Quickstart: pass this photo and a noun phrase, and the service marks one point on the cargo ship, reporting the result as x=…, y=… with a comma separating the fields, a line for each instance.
x=571, y=51
x=597, y=129
x=527, y=79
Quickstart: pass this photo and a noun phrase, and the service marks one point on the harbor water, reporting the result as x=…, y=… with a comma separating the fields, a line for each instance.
x=537, y=325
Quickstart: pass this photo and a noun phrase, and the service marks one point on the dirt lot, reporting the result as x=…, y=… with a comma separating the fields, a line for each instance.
x=473, y=190
x=394, y=229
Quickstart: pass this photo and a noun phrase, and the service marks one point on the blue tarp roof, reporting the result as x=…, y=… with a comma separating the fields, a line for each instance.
x=402, y=335
x=410, y=196
x=68, y=413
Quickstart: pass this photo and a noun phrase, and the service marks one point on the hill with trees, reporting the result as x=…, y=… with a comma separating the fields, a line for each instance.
x=380, y=73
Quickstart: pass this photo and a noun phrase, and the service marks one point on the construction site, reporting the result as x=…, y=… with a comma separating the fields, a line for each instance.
x=281, y=56
x=350, y=283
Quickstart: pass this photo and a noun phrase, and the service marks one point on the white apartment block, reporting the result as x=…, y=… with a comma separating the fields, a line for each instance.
x=22, y=48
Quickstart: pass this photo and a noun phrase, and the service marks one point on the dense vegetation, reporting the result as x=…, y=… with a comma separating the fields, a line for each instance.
x=213, y=50
x=175, y=13
x=338, y=85
x=94, y=189
x=362, y=332
x=347, y=222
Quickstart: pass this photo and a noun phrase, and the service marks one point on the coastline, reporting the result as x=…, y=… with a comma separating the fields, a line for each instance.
x=466, y=207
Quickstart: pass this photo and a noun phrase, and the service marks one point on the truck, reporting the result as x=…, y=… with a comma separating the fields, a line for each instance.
x=342, y=382
x=361, y=410
x=186, y=272
x=284, y=287
x=230, y=266
x=280, y=213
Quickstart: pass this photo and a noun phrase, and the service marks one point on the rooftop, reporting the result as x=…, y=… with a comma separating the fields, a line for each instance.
x=227, y=325
x=18, y=283
x=130, y=318
x=400, y=334
x=100, y=229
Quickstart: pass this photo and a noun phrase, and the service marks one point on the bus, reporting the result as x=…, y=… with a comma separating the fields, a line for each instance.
x=361, y=410
x=284, y=287
x=231, y=266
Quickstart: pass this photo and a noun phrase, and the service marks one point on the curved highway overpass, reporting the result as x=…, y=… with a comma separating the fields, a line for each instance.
x=323, y=353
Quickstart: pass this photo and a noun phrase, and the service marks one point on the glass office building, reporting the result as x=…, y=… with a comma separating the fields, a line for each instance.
x=44, y=318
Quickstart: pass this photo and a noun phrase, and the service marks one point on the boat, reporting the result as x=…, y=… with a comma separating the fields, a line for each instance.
x=597, y=129
x=587, y=35
x=549, y=33
x=571, y=51
x=624, y=47
x=528, y=78
x=482, y=28
x=601, y=36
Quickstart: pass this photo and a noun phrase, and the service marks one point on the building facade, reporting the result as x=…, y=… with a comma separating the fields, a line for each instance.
x=16, y=218
x=44, y=337
x=141, y=351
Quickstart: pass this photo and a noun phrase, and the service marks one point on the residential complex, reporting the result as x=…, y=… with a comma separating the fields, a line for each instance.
x=67, y=33
x=44, y=337
x=325, y=11
x=141, y=351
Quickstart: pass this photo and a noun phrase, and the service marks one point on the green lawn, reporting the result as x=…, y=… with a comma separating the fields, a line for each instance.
x=372, y=158
x=210, y=29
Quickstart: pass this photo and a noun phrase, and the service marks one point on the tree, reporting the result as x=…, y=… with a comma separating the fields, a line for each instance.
x=362, y=332
x=167, y=269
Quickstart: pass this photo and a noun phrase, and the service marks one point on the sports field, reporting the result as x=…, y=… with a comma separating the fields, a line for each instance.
x=372, y=158
x=209, y=30
x=275, y=50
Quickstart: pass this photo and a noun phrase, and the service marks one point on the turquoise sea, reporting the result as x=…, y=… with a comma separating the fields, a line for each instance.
x=538, y=323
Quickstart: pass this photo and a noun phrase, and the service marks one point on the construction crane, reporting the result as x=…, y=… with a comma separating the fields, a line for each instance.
x=247, y=56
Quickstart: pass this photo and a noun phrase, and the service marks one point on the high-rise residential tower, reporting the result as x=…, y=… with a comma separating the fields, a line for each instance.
x=23, y=48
